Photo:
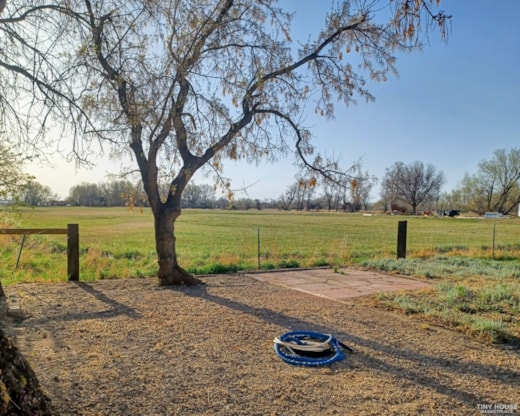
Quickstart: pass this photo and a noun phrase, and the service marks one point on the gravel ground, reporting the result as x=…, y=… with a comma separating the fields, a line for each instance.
x=128, y=347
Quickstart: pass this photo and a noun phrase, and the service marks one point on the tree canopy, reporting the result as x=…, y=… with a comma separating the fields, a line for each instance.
x=187, y=84
x=494, y=187
x=12, y=176
x=413, y=184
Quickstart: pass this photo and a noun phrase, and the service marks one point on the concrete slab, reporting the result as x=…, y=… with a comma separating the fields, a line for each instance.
x=340, y=285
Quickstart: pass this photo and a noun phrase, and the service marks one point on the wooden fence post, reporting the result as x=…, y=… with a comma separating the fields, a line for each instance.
x=73, y=252
x=401, y=240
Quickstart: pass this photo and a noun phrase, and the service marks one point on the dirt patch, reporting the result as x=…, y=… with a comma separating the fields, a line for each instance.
x=127, y=347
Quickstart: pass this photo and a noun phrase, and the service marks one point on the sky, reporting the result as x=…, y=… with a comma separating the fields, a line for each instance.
x=452, y=105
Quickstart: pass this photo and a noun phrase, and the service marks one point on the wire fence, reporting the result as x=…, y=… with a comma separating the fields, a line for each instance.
x=122, y=251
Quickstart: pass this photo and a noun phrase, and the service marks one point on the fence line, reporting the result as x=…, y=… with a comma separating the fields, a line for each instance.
x=126, y=251
x=72, y=232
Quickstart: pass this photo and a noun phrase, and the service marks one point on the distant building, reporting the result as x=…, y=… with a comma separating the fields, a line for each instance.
x=494, y=215
x=56, y=203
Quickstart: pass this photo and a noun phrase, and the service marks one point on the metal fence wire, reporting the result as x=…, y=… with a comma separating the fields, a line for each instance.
x=125, y=250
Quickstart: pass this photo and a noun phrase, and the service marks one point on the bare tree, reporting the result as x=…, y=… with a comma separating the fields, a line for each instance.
x=352, y=187
x=495, y=186
x=118, y=192
x=184, y=85
x=360, y=188
x=286, y=200
x=471, y=194
x=502, y=175
x=198, y=196
x=329, y=191
x=88, y=195
x=413, y=184
x=35, y=194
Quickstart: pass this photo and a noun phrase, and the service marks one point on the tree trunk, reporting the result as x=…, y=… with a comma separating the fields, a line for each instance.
x=170, y=272
x=20, y=391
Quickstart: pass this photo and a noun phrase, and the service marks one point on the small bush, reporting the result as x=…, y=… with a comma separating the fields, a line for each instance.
x=214, y=268
x=408, y=305
x=289, y=264
x=454, y=295
x=493, y=330
x=500, y=293
x=129, y=255
x=268, y=266
x=320, y=263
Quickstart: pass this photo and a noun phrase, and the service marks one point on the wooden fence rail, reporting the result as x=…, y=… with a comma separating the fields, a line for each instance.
x=72, y=232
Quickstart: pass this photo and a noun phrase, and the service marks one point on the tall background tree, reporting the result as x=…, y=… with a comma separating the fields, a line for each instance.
x=360, y=187
x=413, y=184
x=198, y=196
x=494, y=187
x=186, y=84
x=471, y=194
x=35, y=194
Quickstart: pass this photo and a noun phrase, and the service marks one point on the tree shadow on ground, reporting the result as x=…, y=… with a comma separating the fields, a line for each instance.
x=114, y=309
x=419, y=361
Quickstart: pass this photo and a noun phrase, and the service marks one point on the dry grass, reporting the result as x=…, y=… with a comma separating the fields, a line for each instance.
x=127, y=347
x=220, y=239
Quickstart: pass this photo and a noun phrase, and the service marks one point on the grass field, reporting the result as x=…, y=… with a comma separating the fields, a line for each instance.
x=475, y=263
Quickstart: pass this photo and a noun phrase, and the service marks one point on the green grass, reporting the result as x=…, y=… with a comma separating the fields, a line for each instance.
x=117, y=243
x=479, y=297
x=476, y=284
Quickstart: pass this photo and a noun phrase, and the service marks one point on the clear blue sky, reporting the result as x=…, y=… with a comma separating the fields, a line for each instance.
x=452, y=105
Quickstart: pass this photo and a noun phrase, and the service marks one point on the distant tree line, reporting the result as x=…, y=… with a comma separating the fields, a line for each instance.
x=348, y=191
x=111, y=194
x=35, y=194
x=495, y=187
x=412, y=188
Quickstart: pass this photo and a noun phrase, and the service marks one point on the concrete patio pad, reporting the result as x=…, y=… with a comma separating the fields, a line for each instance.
x=341, y=285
